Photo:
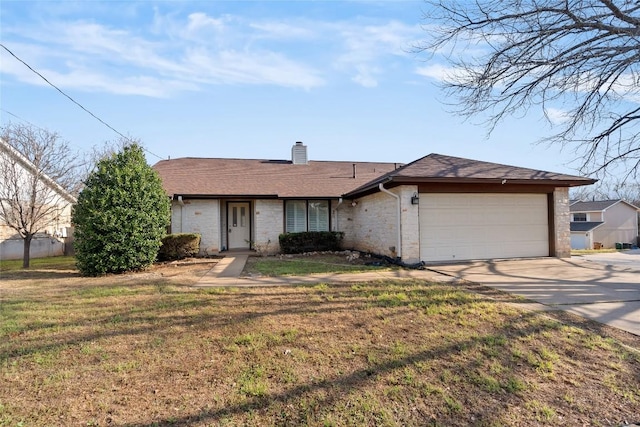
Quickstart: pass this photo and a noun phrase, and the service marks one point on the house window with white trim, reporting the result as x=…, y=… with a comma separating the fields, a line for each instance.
x=580, y=217
x=306, y=215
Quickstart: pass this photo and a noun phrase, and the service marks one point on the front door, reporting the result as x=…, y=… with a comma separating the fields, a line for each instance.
x=238, y=225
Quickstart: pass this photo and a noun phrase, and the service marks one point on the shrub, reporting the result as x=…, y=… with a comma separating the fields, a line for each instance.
x=121, y=215
x=179, y=246
x=309, y=241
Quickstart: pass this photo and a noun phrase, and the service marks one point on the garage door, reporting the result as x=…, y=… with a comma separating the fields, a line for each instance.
x=579, y=240
x=483, y=226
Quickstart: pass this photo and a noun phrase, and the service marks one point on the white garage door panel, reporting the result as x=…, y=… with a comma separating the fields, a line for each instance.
x=578, y=240
x=483, y=226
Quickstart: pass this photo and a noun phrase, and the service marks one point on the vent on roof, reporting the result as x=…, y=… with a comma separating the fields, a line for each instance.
x=277, y=162
x=299, y=154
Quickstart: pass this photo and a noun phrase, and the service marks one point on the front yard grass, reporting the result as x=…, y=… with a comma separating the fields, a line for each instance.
x=593, y=251
x=52, y=263
x=299, y=265
x=144, y=349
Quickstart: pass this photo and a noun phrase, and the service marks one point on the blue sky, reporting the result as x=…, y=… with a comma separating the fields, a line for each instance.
x=246, y=79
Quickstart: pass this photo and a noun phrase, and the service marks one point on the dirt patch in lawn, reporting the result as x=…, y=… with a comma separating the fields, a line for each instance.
x=143, y=349
x=65, y=275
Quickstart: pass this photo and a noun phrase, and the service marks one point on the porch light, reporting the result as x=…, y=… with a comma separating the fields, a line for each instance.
x=415, y=199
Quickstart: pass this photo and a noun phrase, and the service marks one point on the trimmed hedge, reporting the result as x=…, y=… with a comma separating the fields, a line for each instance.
x=179, y=246
x=310, y=241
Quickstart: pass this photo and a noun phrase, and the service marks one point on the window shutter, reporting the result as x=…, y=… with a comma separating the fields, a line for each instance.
x=318, y=215
x=296, y=216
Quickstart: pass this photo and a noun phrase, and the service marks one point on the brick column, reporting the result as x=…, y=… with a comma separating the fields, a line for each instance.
x=561, y=219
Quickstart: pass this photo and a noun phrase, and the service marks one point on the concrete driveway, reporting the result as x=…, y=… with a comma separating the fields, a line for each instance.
x=626, y=259
x=605, y=293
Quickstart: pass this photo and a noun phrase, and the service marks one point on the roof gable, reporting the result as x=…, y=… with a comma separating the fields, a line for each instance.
x=440, y=168
x=29, y=167
x=597, y=205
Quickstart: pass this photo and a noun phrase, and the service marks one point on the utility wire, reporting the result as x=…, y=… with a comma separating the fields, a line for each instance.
x=21, y=119
x=73, y=100
x=30, y=124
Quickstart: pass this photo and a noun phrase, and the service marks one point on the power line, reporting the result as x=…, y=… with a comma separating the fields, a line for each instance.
x=21, y=119
x=73, y=100
x=30, y=124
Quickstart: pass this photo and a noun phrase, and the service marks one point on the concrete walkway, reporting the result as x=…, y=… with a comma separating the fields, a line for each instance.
x=605, y=293
x=227, y=272
x=227, y=267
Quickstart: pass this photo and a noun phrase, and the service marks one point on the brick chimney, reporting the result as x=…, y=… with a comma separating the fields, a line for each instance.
x=299, y=154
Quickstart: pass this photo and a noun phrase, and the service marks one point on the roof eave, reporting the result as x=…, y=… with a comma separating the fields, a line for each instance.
x=399, y=180
x=448, y=180
x=250, y=196
x=223, y=196
x=622, y=201
x=600, y=223
x=30, y=167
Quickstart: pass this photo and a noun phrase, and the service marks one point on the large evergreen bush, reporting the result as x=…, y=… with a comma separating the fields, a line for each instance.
x=121, y=215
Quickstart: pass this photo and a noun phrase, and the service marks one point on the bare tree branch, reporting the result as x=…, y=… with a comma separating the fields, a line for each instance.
x=546, y=53
x=39, y=174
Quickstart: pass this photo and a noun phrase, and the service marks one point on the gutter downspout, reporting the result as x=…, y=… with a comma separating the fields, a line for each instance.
x=337, y=215
x=395, y=196
x=181, y=213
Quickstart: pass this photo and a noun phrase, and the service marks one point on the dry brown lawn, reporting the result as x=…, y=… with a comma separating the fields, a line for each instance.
x=147, y=349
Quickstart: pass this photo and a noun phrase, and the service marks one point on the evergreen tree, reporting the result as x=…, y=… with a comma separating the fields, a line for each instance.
x=121, y=215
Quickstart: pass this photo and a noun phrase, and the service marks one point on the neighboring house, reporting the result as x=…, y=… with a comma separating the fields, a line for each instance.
x=50, y=241
x=603, y=223
x=437, y=208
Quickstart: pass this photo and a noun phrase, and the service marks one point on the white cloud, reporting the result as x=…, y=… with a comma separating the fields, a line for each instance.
x=181, y=52
x=199, y=21
x=365, y=77
x=557, y=116
x=249, y=68
x=437, y=72
x=282, y=30
x=368, y=49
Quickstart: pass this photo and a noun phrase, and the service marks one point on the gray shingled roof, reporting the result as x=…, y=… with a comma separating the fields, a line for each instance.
x=206, y=177
x=597, y=205
x=584, y=225
x=438, y=168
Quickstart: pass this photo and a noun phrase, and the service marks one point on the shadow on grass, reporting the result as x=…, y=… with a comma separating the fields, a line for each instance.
x=133, y=317
x=39, y=274
x=334, y=390
x=151, y=309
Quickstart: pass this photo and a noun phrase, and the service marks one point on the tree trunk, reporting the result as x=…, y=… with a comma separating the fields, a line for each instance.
x=26, y=253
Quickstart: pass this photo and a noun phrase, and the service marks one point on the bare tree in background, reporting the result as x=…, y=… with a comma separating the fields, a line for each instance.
x=578, y=56
x=39, y=177
x=607, y=190
x=105, y=150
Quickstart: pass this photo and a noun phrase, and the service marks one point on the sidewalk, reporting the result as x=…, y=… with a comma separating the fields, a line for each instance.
x=226, y=273
x=601, y=293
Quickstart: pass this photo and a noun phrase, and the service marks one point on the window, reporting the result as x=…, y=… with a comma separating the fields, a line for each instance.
x=306, y=215
x=318, y=215
x=296, y=216
x=582, y=217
